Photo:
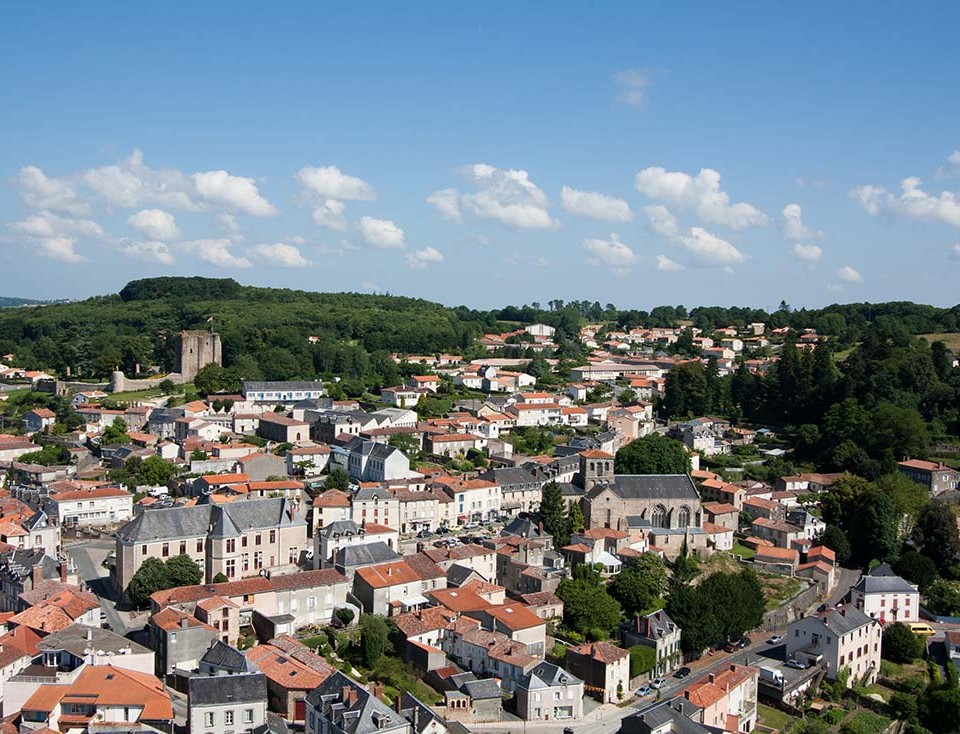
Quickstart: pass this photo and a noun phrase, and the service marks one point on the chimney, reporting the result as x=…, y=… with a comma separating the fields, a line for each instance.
x=345, y=694
x=37, y=574
x=711, y=677
x=89, y=633
x=686, y=691
x=63, y=571
x=398, y=704
x=183, y=623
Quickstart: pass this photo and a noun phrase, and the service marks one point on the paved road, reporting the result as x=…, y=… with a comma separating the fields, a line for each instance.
x=97, y=578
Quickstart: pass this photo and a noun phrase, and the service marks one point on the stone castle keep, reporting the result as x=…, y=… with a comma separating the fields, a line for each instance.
x=195, y=350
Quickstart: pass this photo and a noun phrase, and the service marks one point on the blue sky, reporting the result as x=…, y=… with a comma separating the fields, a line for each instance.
x=486, y=154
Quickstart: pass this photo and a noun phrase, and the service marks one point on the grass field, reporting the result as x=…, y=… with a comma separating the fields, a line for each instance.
x=774, y=718
x=950, y=338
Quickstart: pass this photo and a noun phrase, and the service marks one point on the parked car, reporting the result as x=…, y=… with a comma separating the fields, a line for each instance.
x=644, y=690
x=424, y=534
x=443, y=530
x=682, y=672
x=471, y=526
x=775, y=640
x=921, y=629
x=796, y=664
x=658, y=683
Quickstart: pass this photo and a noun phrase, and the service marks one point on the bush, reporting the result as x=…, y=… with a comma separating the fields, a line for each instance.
x=344, y=615
x=900, y=644
x=834, y=716
x=642, y=660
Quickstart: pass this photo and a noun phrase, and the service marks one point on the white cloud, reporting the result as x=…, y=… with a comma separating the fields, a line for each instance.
x=48, y=224
x=329, y=182
x=807, y=253
x=131, y=183
x=152, y=252
x=631, y=86
x=870, y=198
x=661, y=220
x=236, y=192
x=594, y=205
x=793, y=226
x=217, y=252
x=282, y=254
x=955, y=251
x=381, y=233
x=700, y=194
x=849, y=275
x=228, y=223
x=155, y=224
x=447, y=202
x=329, y=213
x=421, y=258
x=708, y=250
x=41, y=192
x=59, y=248
x=954, y=158
x=662, y=262
x=912, y=202
x=611, y=252
x=508, y=196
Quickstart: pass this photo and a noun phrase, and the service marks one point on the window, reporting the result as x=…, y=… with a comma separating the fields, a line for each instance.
x=183, y=548
x=243, y=541
x=248, y=716
x=200, y=545
x=294, y=555
x=273, y=536
x=208, y=718
x=245, y=561
x=257, y=560
x=228, y=718
x=231, y=568
x=257, y=539
x=231, y=545
x=311, y=602
x=165, y=550
x=143, y=549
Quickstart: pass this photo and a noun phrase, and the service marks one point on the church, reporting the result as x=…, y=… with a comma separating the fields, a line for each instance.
x=664, y=507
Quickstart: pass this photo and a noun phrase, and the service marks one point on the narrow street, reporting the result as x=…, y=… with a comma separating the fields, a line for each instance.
x=88, y=558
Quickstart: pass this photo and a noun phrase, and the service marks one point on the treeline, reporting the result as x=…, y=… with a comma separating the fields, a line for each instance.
x=890, y=397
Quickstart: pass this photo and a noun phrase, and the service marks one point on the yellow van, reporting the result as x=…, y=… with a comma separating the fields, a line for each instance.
x=921, y=629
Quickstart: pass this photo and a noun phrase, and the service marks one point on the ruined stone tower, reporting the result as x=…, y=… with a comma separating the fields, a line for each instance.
x=196, y=349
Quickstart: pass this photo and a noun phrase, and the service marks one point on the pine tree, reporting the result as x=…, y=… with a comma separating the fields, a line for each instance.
x=575, y=518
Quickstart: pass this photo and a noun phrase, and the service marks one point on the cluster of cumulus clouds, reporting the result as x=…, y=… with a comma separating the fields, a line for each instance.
x=689, y=216
x=512, y=198
x=64, y=212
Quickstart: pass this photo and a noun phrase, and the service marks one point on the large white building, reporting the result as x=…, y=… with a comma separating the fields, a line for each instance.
x=885, y=596
x=839, y=638
x=89, y=506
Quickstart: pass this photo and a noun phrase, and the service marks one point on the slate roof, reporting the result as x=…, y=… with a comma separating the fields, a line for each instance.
x=281, y=386
x=842, y=621
x=522, y=527
x=547, y=675
x=507, y=477
x=215, y=690
x=367, y=554
x=650, y=486
x=226, y=658
x=481, y=689
x=353, y=718
x=884, y=585
x=227, y=520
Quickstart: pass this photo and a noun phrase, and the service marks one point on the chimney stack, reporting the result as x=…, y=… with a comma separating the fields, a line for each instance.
x=37, y=574
x=63, y=571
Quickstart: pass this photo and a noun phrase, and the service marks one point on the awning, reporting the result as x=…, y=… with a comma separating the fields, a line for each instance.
x=413, y=601
x=609, y=560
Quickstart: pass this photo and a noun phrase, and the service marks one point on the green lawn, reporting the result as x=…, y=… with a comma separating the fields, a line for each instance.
x=774, y=718
x=743, y=551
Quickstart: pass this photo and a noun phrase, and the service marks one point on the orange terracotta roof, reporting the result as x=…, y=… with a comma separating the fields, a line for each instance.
x=603, y=652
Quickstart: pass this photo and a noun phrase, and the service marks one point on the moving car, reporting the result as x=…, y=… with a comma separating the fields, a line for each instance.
x=775, y=640
x=658, y=683
x=682, y=672
x=735, y=645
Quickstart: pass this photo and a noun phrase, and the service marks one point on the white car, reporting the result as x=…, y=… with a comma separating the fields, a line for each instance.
x=796, y=664
x=658, y=683
x=775, y=640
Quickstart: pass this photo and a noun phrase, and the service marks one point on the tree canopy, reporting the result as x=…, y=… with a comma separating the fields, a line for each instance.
x=653, y=454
